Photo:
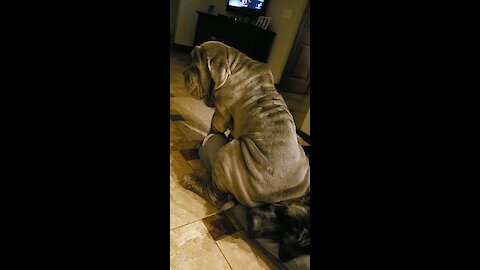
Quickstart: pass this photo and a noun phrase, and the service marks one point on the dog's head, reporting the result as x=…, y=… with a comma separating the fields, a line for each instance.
x=295, y=237
x=286, y=222
x=208, y=71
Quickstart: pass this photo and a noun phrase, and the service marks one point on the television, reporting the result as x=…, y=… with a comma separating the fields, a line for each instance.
x=247, y=7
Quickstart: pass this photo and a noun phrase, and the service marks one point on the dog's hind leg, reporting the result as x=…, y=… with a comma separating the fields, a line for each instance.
x=206, y=189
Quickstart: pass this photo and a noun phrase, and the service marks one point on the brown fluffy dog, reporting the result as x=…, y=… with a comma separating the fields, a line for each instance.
x=288, y=223
x=263, y=164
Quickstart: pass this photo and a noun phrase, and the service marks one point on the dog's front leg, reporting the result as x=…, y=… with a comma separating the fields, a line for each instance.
x=220, y=122
x=206, y=189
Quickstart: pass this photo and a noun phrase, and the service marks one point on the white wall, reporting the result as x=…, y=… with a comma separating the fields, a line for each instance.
x=187, y=18
x=173, y=15
x=286, y=17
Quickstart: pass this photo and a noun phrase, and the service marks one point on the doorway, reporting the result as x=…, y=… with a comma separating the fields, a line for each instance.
x=296, y=76
x=294, y=85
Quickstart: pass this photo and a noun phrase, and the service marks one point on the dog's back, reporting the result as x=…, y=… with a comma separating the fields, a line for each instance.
x=260, y=114
x=264, y=163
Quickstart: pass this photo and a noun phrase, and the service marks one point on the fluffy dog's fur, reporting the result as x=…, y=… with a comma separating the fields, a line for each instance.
x=263, y=164
x=288, y=223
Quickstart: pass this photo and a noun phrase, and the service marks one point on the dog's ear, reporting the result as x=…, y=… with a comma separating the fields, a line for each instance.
x=199, y=59
x=219, y=70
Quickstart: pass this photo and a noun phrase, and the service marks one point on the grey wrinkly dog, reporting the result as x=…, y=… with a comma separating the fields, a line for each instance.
x=263, y=164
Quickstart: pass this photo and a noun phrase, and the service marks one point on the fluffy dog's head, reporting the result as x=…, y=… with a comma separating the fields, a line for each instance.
x=208, y=71
x=287, y=222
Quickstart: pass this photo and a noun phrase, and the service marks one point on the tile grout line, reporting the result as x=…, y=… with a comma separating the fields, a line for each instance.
x=197, y=220
x=221, y=251
x=209, y=235
x=181, y=131
x=250, y=245
x=192, y=169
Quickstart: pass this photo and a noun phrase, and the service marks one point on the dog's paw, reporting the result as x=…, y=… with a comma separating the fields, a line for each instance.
x=193, y=183
x=190, y=182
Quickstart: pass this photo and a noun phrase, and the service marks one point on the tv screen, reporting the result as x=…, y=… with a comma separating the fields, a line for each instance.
x=247, y=7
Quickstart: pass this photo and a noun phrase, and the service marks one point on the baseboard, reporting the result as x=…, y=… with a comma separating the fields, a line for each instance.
x=181, y=48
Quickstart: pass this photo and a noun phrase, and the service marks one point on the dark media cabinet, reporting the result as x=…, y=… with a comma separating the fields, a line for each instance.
x=249, y=39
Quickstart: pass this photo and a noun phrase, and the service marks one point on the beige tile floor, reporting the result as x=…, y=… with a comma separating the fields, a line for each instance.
x=201, y=237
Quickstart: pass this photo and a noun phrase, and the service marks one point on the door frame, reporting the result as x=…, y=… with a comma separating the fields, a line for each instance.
x=296, y=49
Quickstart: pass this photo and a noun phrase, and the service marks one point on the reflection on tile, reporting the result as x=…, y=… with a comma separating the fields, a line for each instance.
x=219, y=226
x=191, y=247
x=241, y=253
x=192, y=131
x=185, y=206
x=178, y=141
x=193, y=110
x=176, y=117
x=184, y=209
